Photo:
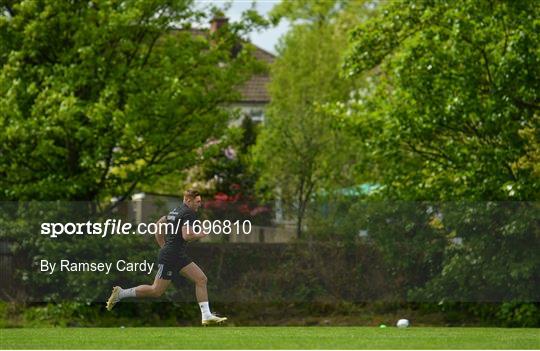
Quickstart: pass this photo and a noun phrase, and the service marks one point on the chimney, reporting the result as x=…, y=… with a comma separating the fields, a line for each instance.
x=217, y=22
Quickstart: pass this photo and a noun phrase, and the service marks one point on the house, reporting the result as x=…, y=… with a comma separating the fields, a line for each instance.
x=254, y=92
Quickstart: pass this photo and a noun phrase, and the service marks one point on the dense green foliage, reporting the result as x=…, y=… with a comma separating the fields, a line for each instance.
x=452, y=111
x=97, y=98
x=298, y=151
x=441, y=104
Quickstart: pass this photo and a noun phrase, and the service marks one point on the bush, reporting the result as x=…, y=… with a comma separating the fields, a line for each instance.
x=516, y=314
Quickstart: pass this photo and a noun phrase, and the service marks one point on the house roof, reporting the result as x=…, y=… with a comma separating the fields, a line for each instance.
x=254, y=89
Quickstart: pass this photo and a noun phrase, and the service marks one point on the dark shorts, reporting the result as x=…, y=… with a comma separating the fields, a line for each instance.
x=170, y=264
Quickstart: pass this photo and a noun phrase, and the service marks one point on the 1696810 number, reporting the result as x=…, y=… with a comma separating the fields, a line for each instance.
x=220, y=227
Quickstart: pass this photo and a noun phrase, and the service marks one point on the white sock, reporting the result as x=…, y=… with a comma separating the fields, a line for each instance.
x=205, y=309
x=126, y=293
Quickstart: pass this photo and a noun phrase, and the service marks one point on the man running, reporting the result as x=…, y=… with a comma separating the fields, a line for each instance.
x=173, y=260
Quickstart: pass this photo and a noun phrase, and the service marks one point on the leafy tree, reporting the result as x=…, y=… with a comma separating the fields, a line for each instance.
x=452, y=113
x=495, y=257
x=453, y=107
x=299, y=152
x=99, y=97
x=320, y=12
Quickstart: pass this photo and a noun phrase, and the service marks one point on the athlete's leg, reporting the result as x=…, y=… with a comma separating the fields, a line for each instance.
x=155, y=290
x=197, y=276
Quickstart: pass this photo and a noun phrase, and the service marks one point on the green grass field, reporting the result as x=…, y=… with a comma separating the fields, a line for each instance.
x=270, y=338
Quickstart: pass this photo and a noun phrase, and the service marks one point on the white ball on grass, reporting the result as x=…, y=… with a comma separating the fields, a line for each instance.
x=403, y=323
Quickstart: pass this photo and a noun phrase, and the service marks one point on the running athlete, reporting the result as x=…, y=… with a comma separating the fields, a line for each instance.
x=173, y=260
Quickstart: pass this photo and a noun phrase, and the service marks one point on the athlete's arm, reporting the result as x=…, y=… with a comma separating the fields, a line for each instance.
x=189, y=235
x=160, y=237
